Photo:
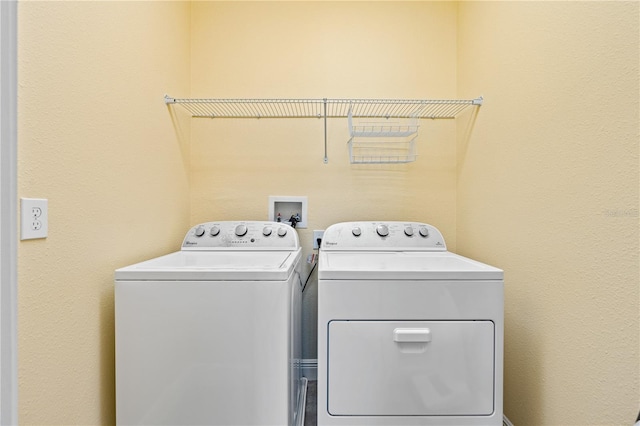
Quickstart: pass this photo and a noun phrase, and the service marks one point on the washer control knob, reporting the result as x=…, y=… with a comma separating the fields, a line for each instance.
x=241, y=230
x=424, y=232
x=282, y=232
x=215, y=231
x=356, y=231
x=382, y=230
x=199, y=231
x=267, y=231
x=408, y=231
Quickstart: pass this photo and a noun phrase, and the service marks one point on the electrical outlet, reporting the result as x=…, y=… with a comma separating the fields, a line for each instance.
x=317, y=235
x=34, y=218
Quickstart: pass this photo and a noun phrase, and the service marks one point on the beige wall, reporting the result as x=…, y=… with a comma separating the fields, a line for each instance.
x=548, y=190
x=96, y=140
x=543, y=182
x=317, y=50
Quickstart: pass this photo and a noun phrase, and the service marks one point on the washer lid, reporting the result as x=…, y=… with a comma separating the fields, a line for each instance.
x=412, y=265
x=215, y=266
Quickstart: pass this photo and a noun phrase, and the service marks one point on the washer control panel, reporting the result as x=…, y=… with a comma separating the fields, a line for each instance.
x=245, y=235
x=395, y=236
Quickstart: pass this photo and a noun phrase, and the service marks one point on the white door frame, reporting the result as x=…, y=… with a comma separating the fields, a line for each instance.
x=8, y=213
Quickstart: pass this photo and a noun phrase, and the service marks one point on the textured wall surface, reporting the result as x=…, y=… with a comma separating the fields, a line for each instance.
x=95, y=139
x=548, y=190
x=542, y=182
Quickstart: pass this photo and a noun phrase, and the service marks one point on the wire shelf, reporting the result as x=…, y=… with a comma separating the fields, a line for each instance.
x=323, y=108
x=366, y=127
x=378, y=140
x=339, y=108
x=370, y=151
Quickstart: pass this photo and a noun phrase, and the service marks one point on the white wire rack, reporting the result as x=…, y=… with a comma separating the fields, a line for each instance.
x=324, y=108
x=386, y=151
x=382, y=140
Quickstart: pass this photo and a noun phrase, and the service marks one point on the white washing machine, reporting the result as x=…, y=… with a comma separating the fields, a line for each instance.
x=408, y=332
x=211, y=335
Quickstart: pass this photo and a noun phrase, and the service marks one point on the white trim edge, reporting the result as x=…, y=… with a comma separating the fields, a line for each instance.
x=8, y=213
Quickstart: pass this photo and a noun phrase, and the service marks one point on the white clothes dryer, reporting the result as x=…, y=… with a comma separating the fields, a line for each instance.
x=408, y=332
x=211, y=335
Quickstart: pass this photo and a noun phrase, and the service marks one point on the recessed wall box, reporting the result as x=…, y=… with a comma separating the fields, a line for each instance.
x=284, y=208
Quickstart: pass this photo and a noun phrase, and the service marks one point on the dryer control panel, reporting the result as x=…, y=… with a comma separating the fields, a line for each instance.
x=245, y=235
x=391, y=236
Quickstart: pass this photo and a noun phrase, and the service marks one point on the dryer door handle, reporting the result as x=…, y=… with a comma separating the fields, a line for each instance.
x=411, y=335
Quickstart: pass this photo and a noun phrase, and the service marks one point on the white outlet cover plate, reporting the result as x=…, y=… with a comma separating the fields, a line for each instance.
x=34, y=218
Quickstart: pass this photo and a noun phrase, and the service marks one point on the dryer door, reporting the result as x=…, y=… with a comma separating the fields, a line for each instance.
x=410, y=368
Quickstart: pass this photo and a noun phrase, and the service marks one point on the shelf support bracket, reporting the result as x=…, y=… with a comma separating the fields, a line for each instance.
x=326, y=159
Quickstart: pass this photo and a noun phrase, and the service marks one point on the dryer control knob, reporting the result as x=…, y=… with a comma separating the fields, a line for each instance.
x=382, y=230
x=356, y=231
x=241, y=230
x=199, y=231
x=408, y=231
x=214, y=231
x=424, y=232
x=267, y=231
x=282, y=232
